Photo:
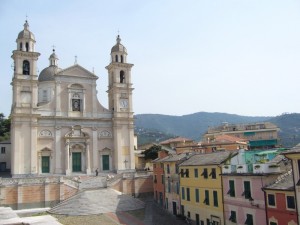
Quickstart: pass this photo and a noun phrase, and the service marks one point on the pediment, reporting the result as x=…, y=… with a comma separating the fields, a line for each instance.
x=77, y=71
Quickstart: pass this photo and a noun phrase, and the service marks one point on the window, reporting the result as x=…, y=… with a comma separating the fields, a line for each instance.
x=208, y=222
x=26, y=67
x=188, y=194
x=2, y=150
x=177, y=188
x=231, y=191
x=21, y=46
x=196, y=172
x=204, y=173
x=168, y=169
x=122, y=77
x=197, y=195
x=117, y=59
x=232, y=217
x=162, y=179
x=76, y=102
x=215, y=194
x=213, y=173
x=197, y=219
x=206, y=200
x=155, y=179
x=169, y=186
x=189, y=214
x=249, y=220
x=182, y=193
x=290, y=202
x=122, y=60
x=176, y=169
x=181, y=173
x=27, y=47
x=273, y=223
x=187, y=173
x=247, y=190
x=271, y=200
x=44, y=97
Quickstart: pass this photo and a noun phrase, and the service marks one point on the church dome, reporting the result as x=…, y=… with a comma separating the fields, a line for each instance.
x=26, y=33
x=48, y=73
x=118, y=47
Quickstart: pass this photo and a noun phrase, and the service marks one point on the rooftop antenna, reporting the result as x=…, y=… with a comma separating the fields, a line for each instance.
x=75, y=60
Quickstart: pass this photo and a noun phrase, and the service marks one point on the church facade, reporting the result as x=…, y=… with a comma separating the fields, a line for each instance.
x=59, y=126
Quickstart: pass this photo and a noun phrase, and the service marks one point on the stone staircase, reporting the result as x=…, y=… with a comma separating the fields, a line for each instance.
x=92, y=183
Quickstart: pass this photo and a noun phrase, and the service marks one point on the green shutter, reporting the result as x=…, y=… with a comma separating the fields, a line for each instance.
x=45, y=164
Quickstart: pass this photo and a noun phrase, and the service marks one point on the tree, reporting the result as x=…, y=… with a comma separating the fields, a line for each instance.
x=152, y=152
x=4, y=127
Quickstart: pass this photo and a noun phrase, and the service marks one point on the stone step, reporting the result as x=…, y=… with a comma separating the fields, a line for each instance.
x=93, y=183
x=89, y=202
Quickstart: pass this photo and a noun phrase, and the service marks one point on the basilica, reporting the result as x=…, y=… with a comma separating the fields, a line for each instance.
x=58, y=124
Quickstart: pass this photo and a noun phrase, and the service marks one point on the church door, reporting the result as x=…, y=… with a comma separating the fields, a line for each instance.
x=45, y=164
x=105, y=162
x=76, y=161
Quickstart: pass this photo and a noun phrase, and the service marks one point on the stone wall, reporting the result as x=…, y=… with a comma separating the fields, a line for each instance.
x=22, y=193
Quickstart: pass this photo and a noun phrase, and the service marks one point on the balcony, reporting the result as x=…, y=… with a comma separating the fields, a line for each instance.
x=242, y=168
x=266, y=168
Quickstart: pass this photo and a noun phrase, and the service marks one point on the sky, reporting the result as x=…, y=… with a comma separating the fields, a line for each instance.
x=234, y=56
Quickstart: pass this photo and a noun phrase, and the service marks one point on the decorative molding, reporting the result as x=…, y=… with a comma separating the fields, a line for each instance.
x=105, y=134
x=45, y=134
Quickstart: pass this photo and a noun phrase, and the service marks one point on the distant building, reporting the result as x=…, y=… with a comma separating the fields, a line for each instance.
x=224, y=142
x=182, y=145
x=5, y=156
x=260, y=135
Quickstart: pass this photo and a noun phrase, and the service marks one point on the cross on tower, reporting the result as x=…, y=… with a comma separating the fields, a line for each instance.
x=53, y=47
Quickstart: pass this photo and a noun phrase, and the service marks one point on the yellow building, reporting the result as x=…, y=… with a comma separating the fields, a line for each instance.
x=201, y=188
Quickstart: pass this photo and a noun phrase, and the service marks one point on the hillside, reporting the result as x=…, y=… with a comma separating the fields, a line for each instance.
x=195, y=125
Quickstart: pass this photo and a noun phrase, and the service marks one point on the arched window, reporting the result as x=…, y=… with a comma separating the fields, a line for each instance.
x=76, y=102
x=122, y=59
x=21, y=46
x=122, y=76
x=27, y=47
x=26, y=67
x=117, y=59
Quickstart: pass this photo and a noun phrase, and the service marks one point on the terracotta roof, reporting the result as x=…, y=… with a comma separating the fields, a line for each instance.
x=224, y=138
x=215, y=158
x=175, y=158
x=283, y=182
x=172, y=140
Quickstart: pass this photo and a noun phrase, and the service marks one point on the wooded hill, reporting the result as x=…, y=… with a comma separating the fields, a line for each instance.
x=193, y=126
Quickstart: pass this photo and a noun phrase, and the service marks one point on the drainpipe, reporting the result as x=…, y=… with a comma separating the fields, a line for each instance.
x=265, y=196
x=222, y=194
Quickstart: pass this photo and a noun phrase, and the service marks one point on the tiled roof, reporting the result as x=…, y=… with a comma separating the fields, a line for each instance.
x=283, y=182
x=174, y=158
x=172, y=140
x=207, y=159
x=224, y=138
x=293, y=150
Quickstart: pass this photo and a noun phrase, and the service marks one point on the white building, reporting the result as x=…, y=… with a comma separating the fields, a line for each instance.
x=5, y=151
x=58, y=124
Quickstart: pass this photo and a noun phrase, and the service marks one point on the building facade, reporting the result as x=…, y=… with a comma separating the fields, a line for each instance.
x=58, y=124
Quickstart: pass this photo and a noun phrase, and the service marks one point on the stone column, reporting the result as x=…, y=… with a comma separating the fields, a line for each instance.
x=68, y=171
x=88, y=161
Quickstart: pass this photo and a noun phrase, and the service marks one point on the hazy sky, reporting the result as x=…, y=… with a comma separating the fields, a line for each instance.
x=234, y=56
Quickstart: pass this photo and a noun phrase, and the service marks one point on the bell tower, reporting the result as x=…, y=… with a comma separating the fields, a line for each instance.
x=24, y=103
x=120, y=103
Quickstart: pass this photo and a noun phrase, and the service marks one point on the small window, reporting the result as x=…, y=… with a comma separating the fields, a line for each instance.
x=21, y=46
x=188, y=194
x=247, y=190
x=249, y=219
x=197, y=195
x=181, y=173
x=206, y=200
x=290, y=202
x=271, y=200
x=2, y=150
x=168, y=169
x=27, y=47
x=117, y=59
x=187, y=173
x=215, y=195
x=155, y=179
x=213, y=173
x=162, y=179
x=182, y=193
x=231, y=191
x=189, y=214
x=196, y=173
x=204, y=173
x=232, y=217
x=176, y=169
x=44, y=99
x=273, y=223
x=122, y=60
x=26, y=67
x=122, y=77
